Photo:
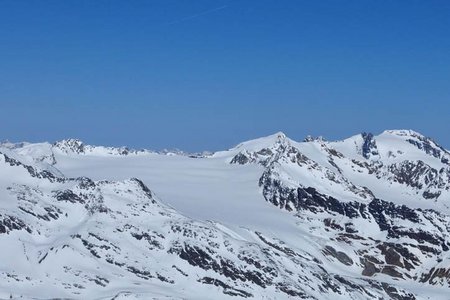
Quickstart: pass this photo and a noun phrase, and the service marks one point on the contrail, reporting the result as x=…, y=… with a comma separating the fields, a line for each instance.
x=197, y=15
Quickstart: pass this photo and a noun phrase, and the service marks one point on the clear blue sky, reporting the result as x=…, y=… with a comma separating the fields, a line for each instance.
x=205, y=75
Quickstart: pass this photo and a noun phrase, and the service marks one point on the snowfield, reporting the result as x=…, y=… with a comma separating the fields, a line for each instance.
x=363, y=218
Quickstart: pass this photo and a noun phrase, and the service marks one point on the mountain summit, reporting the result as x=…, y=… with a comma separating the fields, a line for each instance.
x=367, y=217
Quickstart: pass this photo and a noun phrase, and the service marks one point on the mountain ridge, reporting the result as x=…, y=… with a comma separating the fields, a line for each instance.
x=363, y=218
x=64, y=142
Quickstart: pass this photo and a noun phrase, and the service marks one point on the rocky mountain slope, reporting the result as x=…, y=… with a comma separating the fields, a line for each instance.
x=363, y=218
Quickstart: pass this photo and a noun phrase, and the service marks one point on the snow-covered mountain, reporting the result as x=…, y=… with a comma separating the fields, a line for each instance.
x=363, y=218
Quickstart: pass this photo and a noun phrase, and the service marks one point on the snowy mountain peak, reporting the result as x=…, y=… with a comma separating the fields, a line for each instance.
x=75, y=146
x=409, y=141
x=257, y=150
x=310, y=138
x=403, y=132
x=268, y=142
x=363, y=218
x=278, y=134
x=70, y=145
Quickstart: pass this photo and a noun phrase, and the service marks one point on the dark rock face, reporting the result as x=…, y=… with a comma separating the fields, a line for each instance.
x=11, y=223
x=395, y=294
x=144, y=188
x=240, y=159
x=426, y=146
x=370, y=266
x=203, y=259
x=71, y=145
x=383, y=212
x=85, y=183
x=398, y=255
x=339, y=255
x=262, y=156
x=227, y=289
x=411, y=173
x=436, y=275
x=43, y=174
x=68, y=195
x=430, y=147
x=369, y=147
x=153, y=239
x=51, y=213
x=418, y=175
x=390, y=257
x=306, y=199
x=431, y=195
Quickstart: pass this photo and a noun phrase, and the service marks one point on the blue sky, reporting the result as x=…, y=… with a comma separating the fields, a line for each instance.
x=203, y=75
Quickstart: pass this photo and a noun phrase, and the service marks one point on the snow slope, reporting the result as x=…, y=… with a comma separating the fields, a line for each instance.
x=272, y=218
